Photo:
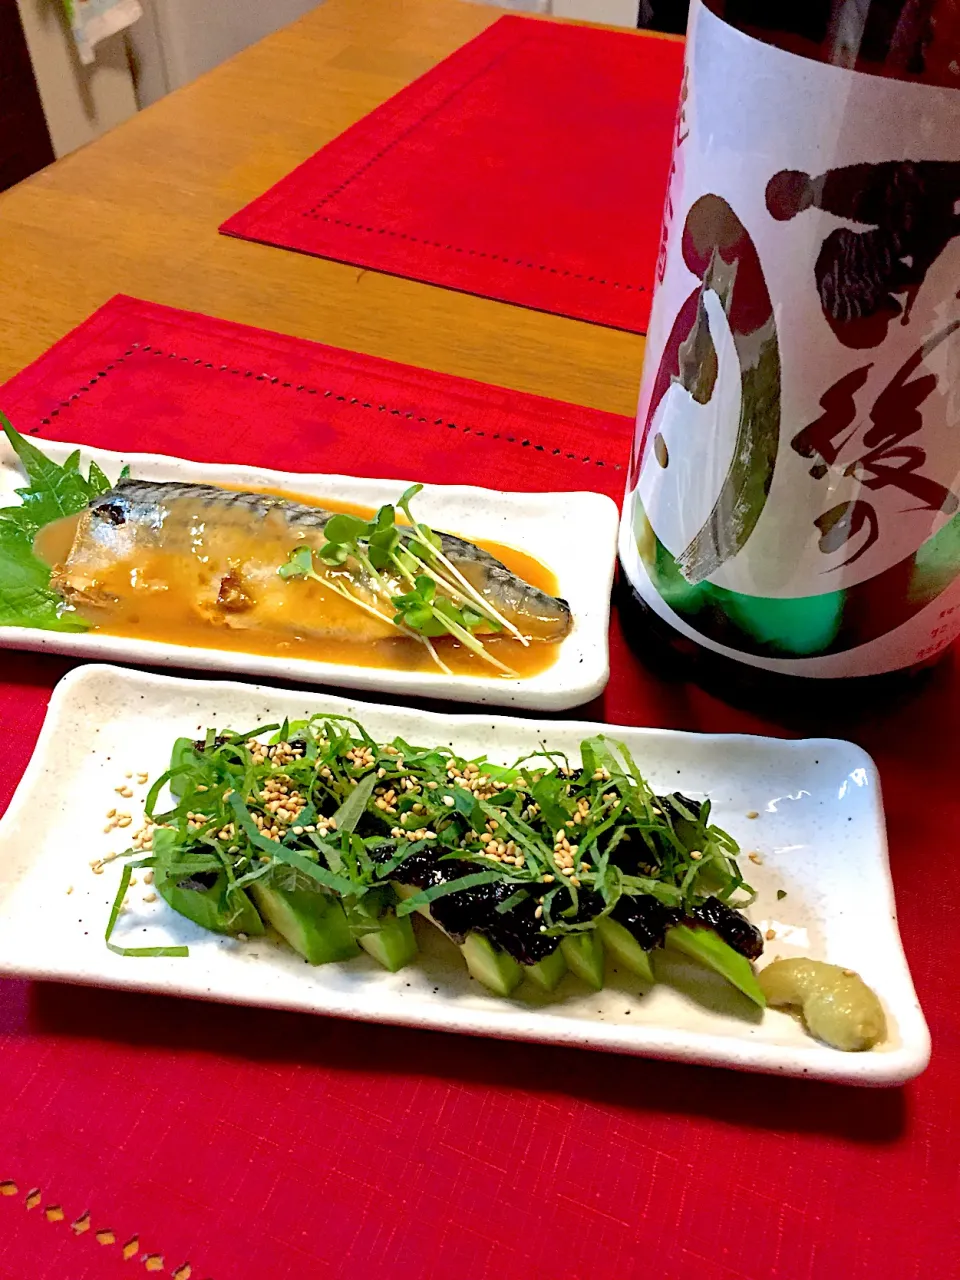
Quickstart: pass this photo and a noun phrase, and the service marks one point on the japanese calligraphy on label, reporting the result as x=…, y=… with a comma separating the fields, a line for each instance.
x=794, y=492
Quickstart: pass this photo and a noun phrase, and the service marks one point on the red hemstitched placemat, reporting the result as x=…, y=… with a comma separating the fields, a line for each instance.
x=529, y=166
x=267, y=1145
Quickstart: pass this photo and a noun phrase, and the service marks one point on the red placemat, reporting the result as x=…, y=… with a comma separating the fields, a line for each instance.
x=528, y=166
x=260, y=1144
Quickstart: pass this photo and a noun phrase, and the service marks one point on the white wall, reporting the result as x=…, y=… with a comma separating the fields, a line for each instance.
x=177, y=40
x=79, y=102
x=617, y=13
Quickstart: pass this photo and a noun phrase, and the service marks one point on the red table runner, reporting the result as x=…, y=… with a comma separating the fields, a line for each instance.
x=259, y=1144
x=529, y=166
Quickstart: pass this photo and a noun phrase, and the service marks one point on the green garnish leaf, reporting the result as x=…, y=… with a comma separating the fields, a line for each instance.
x=513, y=901
x=26, y=598
x=298, y=565
x=143, y=952
x=284, y=854
x=426, y=896
x=343, y=529
x=353, y=808
x=408, y=495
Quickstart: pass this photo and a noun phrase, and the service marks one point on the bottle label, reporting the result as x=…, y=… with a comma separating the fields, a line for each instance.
x=794, y=491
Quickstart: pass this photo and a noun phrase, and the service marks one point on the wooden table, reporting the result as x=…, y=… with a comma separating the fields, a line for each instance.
x=137, y=212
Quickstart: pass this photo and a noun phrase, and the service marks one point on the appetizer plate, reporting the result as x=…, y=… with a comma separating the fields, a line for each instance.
x=573, y=534
x=818, y=834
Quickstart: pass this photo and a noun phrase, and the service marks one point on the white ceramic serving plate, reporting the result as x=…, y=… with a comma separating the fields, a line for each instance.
x=548, y=526
x=820, y=833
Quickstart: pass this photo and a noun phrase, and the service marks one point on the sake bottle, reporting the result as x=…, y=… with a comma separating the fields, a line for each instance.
x=793, y=501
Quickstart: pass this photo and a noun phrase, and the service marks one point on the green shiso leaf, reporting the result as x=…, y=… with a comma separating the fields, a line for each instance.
x=151, y=952
x=352, y=809
x=26, y=598
x=426, y=896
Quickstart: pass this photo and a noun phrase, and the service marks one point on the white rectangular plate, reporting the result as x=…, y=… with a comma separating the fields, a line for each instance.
x=819, y=833
x=573, y=534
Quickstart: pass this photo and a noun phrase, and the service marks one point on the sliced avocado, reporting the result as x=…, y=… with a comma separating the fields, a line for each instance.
x=186, y=881
x=625, y=949
x=710, y=949
x=212, y=906
x=547, y=973
x=393, y=944
x=303, y=913
x=498, y=972
x=495, y=969
x=583, y=952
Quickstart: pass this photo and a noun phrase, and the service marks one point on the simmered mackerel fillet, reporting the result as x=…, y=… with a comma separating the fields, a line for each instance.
x=219, y=552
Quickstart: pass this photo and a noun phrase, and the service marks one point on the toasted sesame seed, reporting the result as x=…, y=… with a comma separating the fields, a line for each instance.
x=538, y=913
x=548, y=879
x=696, y=855
x=566, y=871
x=753, y=814
x=124, y=822
x=770, y=935
x=148, y=877
x=128, y=775
x=111, y=813
x=149, y=897
x=69, y=889
x=98, y=868
x=755, y=858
